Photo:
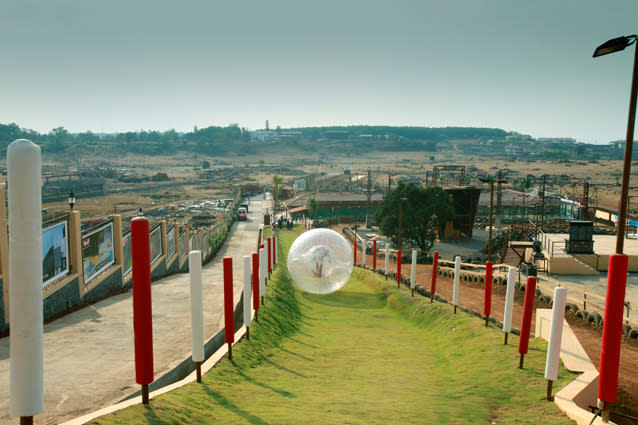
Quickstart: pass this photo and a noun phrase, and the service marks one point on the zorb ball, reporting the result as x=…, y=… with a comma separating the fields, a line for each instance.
x=320, y=261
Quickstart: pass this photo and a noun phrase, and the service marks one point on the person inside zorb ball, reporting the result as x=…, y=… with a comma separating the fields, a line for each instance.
x=320, y=261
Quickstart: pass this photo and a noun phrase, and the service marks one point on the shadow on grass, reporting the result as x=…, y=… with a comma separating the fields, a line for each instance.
x=283, y=368
x=266, y=386
x=302, y=343
x=308, y=359
x=150, y=416
x=226, y=404
x=341, y=299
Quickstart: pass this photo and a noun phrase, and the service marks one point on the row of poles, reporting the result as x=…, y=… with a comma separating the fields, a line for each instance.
x=558, y=310
x=26, y=376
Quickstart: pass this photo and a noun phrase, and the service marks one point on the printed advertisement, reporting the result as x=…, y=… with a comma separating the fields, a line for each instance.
x=97, y=251
x=55, y=249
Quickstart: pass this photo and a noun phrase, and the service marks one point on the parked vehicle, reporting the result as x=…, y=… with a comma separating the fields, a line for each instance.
x=242, y=213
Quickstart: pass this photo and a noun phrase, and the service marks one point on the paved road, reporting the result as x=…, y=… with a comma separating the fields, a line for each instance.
x=89, y=354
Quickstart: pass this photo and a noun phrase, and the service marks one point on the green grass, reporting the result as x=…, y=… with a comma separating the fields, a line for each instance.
x=367, y=354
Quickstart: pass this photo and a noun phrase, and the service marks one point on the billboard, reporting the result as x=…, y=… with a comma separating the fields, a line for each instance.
x=128, y=255
x=156, y=243
x=182, y=245
x=97, y=251
x=170, y=242
x=55, y=252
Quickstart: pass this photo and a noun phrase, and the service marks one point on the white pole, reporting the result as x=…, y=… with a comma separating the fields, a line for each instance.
x=363, y=253
x=197, y=305
x=25, y=277
x=248, y=293
x=387, y=258
x=556, y=334
x=457, y=280
x=509, y=300
x=263, y=271
x=413, y=274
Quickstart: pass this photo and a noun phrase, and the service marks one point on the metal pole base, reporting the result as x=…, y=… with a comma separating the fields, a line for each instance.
x=257, y=316
x=487, y=321
x=506, y=335
x=412, y=291
x=199, y=371
x=454, y=309
x=432, y=299
x=145, y=396
x=549, y=390
x=26, y=420
x=230, y=351
x=248, y=333
x=262, y=300
x=520, y=362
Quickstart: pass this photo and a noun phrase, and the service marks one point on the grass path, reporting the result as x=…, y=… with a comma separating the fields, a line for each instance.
x=367, y=354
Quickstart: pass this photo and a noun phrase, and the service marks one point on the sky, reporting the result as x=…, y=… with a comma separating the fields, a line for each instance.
x=118, y=65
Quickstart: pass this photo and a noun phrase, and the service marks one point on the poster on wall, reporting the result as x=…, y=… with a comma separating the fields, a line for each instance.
x=55, y=249
x=182, y=245
x=156, y=243
x=128, y=256
x=170, y=242
x=192, y=244
x=97, y=251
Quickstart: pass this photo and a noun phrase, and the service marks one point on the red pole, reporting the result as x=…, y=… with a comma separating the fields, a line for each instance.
x=355, y=252
x=142, y=311
x=435, y=270
x=255, y=281
x=229, y=322
x=374, y=254
x=528, y=310
x=487, y=305
x=612, y=328
x=269, y=255
x=398, y=268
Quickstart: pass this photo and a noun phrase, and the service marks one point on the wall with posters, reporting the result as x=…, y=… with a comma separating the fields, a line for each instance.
x=156, y=243
x=55, y=252
x=97, y=251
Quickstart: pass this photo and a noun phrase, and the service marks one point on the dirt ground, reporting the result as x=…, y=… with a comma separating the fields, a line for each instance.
x=472, y=295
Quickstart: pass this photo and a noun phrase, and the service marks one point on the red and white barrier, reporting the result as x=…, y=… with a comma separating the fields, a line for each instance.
x=555, y=338
x=229, y=319
x=142, y=311
x=26, y=374
x=399, y=268
x=487, y=304
x=413, y=272
x=354, y=252
x=263, y=272
x=269, y=243
x=612, y=329
x=363, y=254
x=457, y=282
x=435, y=272
x=197, y=309
x=374, y=254
x=528, y=310
x=248, y=313
x=256, y=289
x=509, y=302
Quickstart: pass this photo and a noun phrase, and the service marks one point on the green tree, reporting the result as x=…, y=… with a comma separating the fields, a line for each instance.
x=312, y=206
x=424, y=212
x=205, y=165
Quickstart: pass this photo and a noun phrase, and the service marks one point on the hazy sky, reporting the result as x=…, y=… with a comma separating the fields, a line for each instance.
x=118, y=65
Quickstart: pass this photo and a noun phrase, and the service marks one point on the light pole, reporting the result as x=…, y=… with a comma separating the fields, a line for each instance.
x=400, y=218
x=491, y=181
x=140, y=213
x=71, y=200
x=617, y=274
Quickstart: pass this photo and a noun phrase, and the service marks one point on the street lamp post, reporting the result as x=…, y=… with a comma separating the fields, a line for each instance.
x=71, y=200
x=617, y=274
x=491, y=181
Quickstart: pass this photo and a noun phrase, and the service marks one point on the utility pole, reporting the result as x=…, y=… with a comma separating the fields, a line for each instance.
x=499, y=195
x=586, y=201
x=369, y=196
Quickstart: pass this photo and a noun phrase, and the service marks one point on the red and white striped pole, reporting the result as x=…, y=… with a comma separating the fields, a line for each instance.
x=354, y=252
x=229, y=320
x=487, y=304
x=269, y=255
x=197, y=310
x=399, y=268
x=256, y=285
x=374, y=254
x=612, y=331
x=142, y=311
x=435, y=271
x=528, y=310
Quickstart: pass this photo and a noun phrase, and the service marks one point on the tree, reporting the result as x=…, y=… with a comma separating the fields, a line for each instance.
x=424, y=212
x=312, y=206
x=205, y=165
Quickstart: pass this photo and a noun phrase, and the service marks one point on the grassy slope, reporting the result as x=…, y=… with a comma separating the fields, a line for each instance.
x=368, y=353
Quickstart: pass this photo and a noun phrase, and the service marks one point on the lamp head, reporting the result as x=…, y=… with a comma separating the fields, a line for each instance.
x=614, y=45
